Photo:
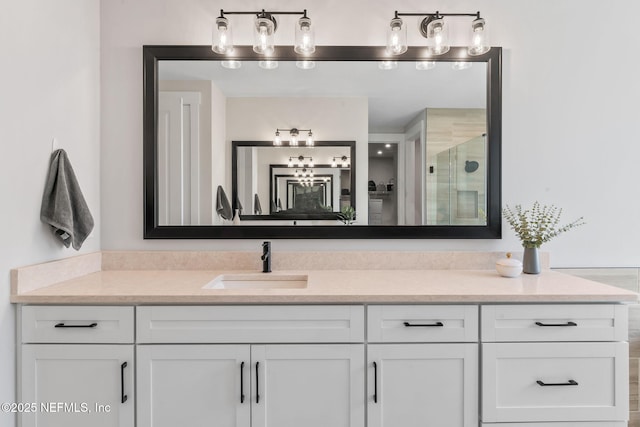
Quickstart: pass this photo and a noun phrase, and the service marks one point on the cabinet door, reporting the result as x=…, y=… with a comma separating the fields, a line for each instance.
x=415, y=385
x=311, y=385
x=193, y=385
x=78, y=385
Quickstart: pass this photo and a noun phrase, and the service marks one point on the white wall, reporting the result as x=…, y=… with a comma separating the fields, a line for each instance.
x=570, y=105
x=49, y=87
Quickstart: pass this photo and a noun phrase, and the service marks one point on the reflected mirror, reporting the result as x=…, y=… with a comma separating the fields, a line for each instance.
x=415, y=150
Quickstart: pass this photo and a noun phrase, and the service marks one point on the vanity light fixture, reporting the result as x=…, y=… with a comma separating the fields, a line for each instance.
x=344, y=161
x=434, y=28
x=294, y=134
x=265, y=26
x=303, y=173
x=301, y=161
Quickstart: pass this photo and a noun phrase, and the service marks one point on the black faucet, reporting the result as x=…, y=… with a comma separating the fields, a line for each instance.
x=266, y=257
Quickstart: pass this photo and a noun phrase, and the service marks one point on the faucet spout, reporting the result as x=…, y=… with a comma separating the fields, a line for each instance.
x=266, y=257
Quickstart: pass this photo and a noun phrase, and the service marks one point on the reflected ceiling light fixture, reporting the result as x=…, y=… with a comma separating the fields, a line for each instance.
x=434, y=28
x=306, y=64
x=294, y=134
x=265, y=26
x=268, y=64
x=231, y=64
x=300, y=161
x=425, y=65
x=461, y=65
x=388, y=65
x=344, y=161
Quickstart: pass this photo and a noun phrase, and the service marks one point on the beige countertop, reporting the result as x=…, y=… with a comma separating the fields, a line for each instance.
x=324, y=286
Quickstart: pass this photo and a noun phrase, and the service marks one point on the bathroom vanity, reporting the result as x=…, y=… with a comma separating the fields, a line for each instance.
x=357, y=348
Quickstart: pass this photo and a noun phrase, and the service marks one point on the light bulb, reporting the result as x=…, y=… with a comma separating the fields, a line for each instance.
x=333, y=163
x=277, y=140
x=290, y=164
x=396, y=37
x=293, y=141
x=310, y=141
x=310, y=162
x=222, y=40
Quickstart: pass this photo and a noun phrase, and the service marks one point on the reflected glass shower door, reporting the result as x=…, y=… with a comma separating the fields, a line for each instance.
x=461, y=194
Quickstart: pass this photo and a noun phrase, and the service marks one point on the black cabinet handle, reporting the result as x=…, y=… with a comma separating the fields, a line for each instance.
x=557, y=324
x=123, y=397
x=375, y=382
x=543, y=384
x=423, y=325
x=62, y=325
x=257, y=383
x=242, y=382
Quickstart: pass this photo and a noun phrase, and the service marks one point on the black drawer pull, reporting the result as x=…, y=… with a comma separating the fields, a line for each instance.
x=557, y=324
x=257, y=383
x=543, y=384
x=375, y=382
x=423, y=325
x=62, y=325
x=242, y=382
x=123, y=397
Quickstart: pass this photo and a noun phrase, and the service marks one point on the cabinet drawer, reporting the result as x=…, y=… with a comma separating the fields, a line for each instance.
x=422, y=323
x=569, y=424
x=598, y=322
x=250, y=324
x=555, y=382
x=70, y=324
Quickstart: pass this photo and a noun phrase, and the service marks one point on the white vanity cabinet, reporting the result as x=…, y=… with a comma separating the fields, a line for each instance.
x=447, y=365
x=423, y=366
x=76, y=366
x=296, y=366
x=555, y=365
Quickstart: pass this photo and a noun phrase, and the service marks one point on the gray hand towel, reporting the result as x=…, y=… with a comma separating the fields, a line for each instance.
x=257, y=209
x=63, y=205
x=222, y=204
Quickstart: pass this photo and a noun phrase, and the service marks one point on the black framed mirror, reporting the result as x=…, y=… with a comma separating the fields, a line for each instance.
x=294, y=186
x=432, y=194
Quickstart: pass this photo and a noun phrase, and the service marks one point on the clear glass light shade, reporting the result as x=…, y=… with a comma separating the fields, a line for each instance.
x=461, y=65
x=310, y=162
x=310, y=141
x=305, y=37
x=425, y=65
x=277, y=140
x=306, y=65
x=268, y=64
x=263, y=36
x=293, y=141
x=396, y=37
x=438, y=32
x=388, y=65
x=334, y=164
x=478, y=44
x=222, y=39
x=231, y=64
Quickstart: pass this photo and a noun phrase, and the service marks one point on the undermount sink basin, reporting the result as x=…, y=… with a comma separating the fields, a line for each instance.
x=258, y=281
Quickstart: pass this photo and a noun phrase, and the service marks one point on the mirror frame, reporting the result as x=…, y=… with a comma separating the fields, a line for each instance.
x=152, y=230
x=351, y=145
